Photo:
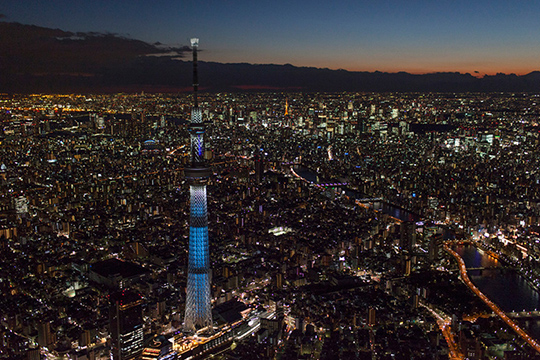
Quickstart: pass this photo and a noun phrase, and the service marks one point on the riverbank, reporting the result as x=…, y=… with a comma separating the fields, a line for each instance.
x=513, y=325
x=378, y=204
x=507, y=262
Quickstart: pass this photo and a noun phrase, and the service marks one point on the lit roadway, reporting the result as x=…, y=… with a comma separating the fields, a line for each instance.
x=493, y=307
x=444, y=325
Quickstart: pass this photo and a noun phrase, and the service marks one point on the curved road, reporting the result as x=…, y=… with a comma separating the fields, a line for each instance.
x=444, y=323
x=495, y=308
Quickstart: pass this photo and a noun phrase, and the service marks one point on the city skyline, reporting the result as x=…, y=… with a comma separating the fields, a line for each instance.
x=284, y=208
x=369, y=224
x=416, y=37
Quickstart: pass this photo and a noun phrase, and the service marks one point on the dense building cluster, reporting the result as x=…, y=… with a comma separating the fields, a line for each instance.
x=327, y=217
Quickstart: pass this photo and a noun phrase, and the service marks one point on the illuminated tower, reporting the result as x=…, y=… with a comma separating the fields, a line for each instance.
x=198, y=313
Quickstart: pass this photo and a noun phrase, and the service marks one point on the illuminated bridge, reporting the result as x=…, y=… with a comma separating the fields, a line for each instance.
x=367, y=200
x=524, y=314
x=492, y=268
x=329, y=184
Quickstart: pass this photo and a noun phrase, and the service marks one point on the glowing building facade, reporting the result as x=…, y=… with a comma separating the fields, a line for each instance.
x=198, y=312
x=126, y=325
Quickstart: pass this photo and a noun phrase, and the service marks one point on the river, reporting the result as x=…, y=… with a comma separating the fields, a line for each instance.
x=384, y=207
x=505, y=287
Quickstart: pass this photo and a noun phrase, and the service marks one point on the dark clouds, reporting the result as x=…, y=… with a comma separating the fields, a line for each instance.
x=38, y=59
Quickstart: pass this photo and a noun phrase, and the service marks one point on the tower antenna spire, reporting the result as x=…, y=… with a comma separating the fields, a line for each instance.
x=195, y=46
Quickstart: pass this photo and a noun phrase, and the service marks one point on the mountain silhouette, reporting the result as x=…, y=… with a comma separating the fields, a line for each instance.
x=41, y=60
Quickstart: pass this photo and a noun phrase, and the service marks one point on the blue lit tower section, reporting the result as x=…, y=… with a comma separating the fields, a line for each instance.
x=198, y=313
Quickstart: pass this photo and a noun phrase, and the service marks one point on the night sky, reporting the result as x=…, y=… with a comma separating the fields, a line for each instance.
x=412, y=36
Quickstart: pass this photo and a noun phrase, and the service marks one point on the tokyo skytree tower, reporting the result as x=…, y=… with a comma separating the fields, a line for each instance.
x=198, y=312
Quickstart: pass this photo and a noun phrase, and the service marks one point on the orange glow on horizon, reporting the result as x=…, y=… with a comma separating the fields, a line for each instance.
x=476, y=73
x=478, y=65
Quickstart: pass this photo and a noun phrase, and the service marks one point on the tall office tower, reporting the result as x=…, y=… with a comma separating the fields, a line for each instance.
x=198, y=313
x=126, y=325
x=259, y=167
x=407, y=239
x=45, y=336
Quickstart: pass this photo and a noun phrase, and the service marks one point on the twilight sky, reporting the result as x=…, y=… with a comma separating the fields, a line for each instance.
x=487, y=36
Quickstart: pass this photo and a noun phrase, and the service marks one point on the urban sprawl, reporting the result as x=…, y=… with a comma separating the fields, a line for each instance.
x=336, y=222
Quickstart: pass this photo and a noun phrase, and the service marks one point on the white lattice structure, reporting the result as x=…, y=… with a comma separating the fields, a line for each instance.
x=198, y=309
x=198, y=313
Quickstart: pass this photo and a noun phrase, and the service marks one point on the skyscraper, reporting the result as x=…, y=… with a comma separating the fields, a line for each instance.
x=198, y=312
x=259, y=167
x=126, y=325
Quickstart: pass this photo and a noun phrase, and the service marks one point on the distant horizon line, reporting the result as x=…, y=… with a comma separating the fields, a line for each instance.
x=474, y=73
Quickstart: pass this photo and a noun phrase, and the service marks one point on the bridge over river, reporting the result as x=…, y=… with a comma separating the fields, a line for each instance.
x=535, y=314
x=492, y=267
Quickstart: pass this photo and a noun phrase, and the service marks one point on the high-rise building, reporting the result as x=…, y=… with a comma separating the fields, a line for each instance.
x=371, y=320
x=259, y=167
x=198, y=314
x=46, y=337
x=407, y=239
x=435, y=247
x=126, y=325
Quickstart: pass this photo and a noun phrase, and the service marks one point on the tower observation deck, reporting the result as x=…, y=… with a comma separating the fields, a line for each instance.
x=198, y=313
